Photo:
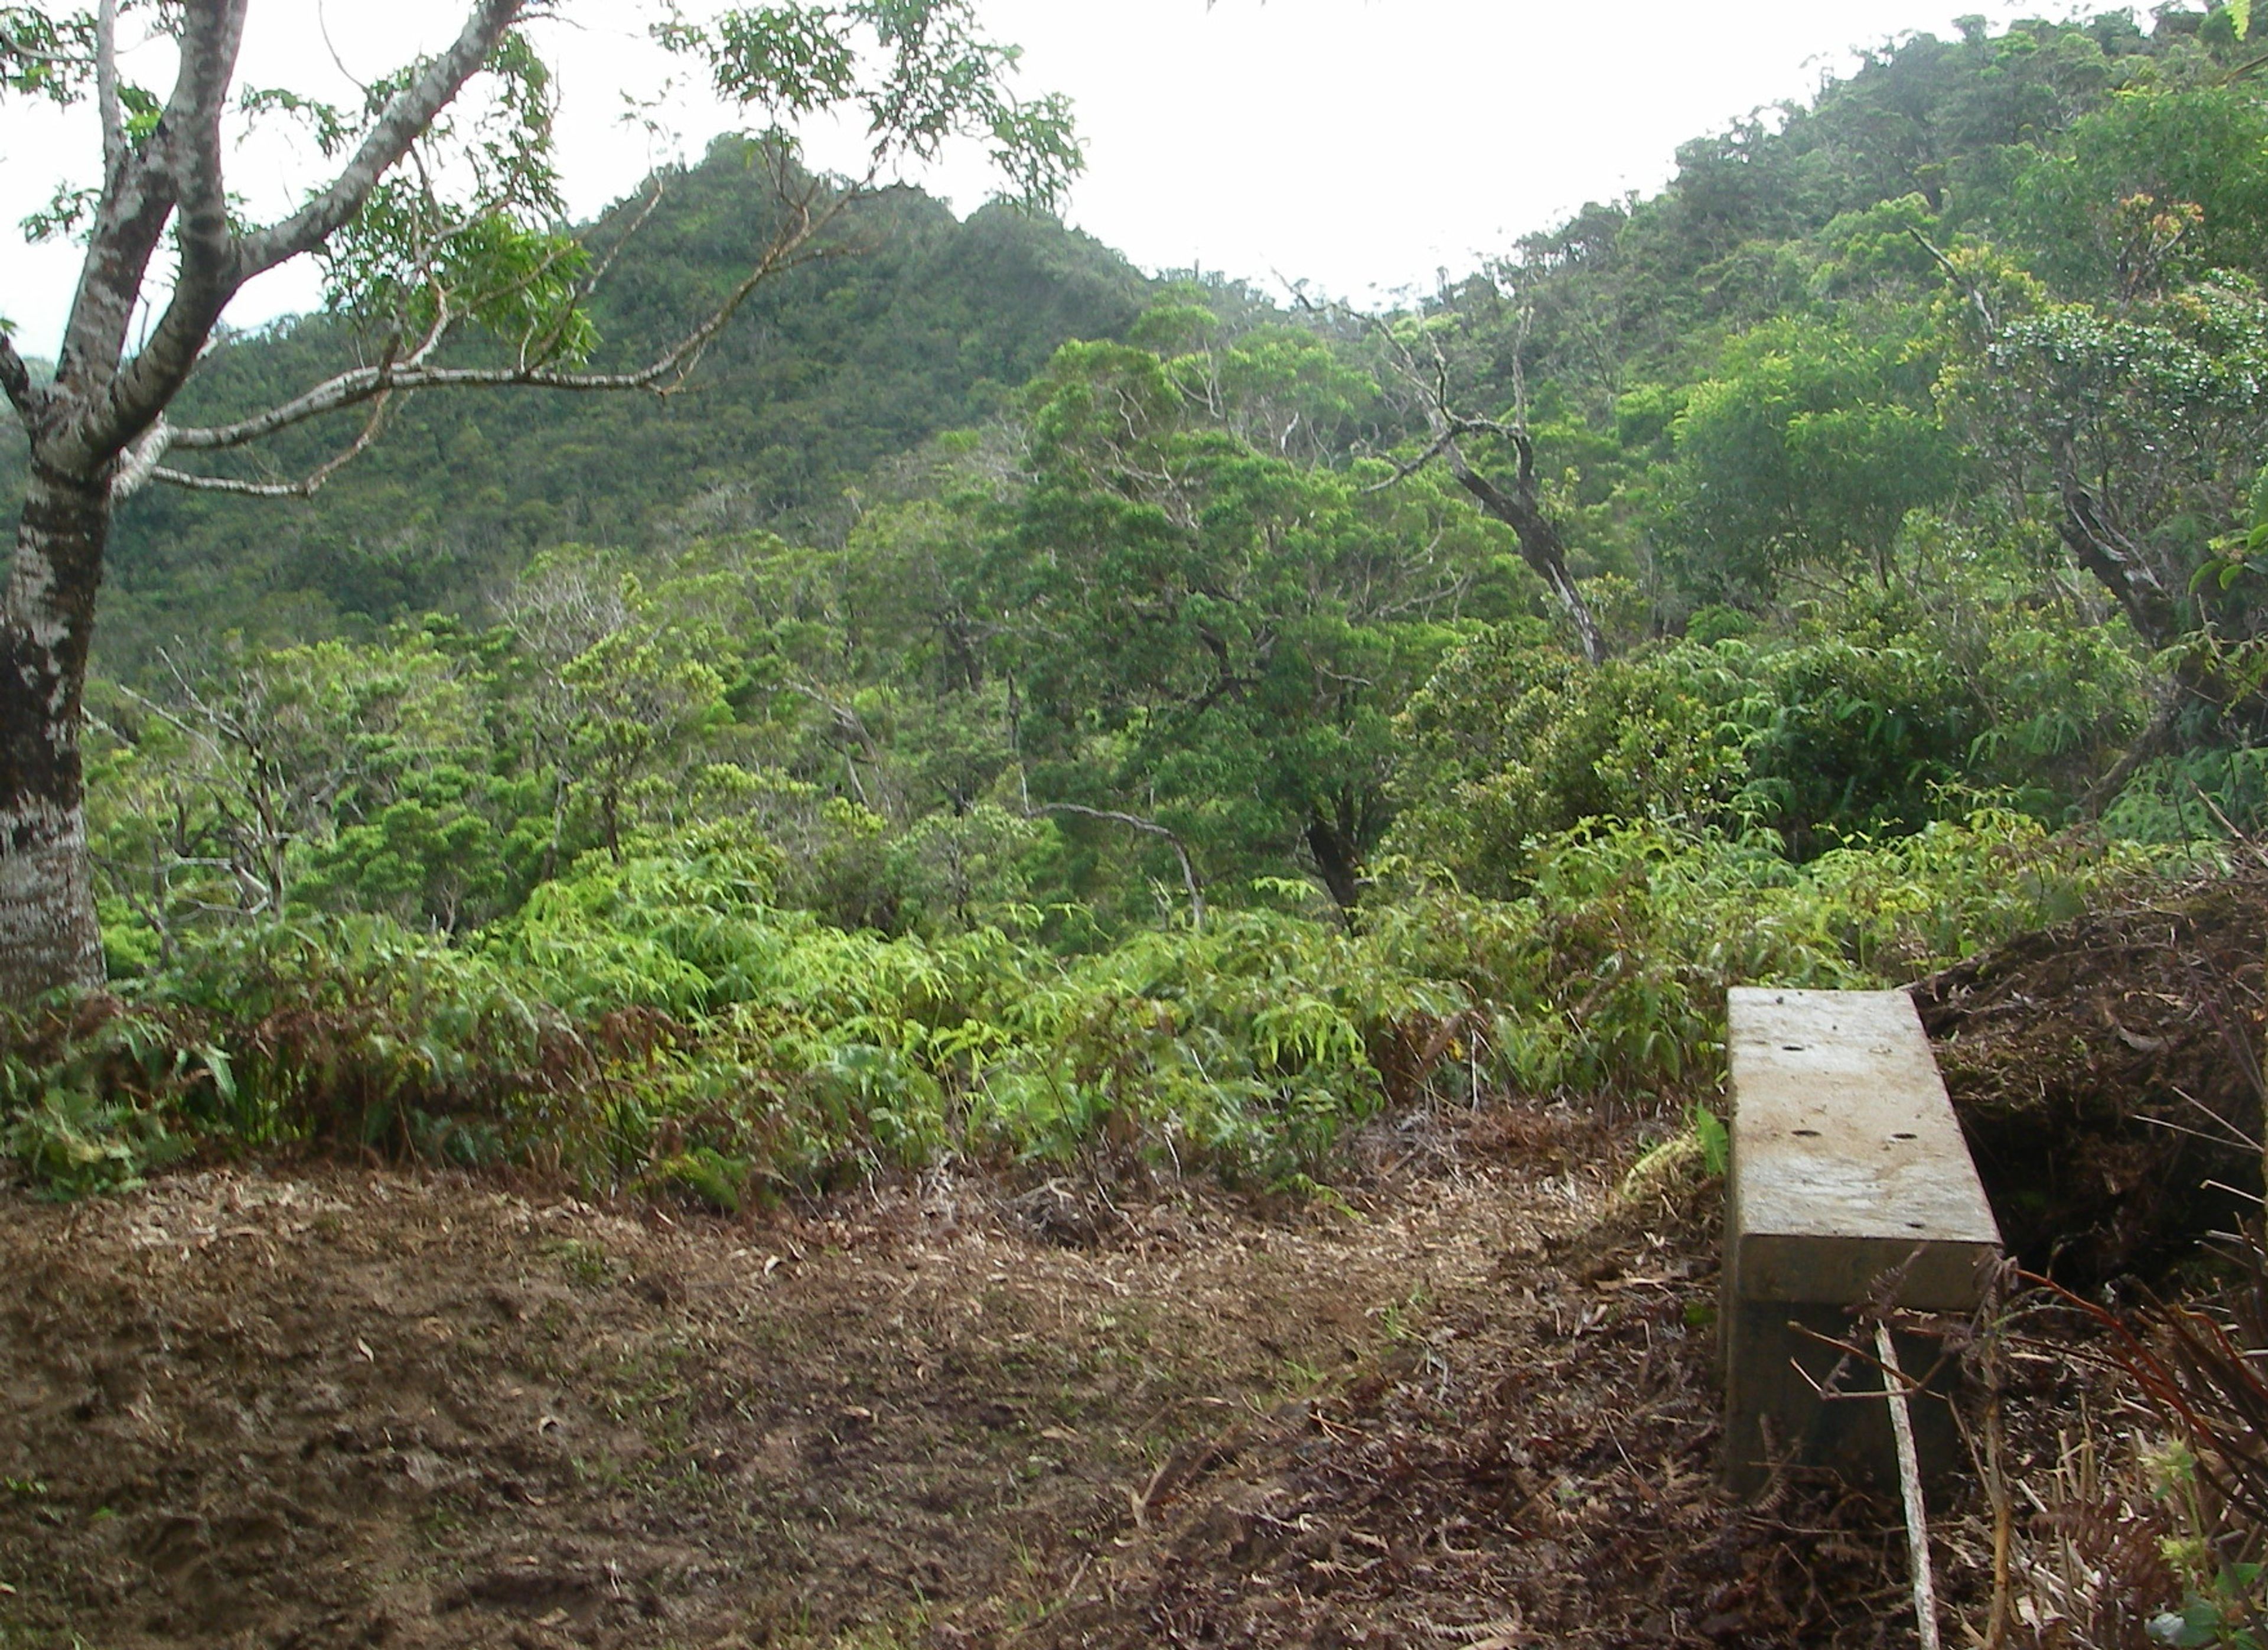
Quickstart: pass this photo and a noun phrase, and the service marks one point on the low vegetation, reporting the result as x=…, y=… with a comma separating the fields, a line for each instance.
x=657, y=1022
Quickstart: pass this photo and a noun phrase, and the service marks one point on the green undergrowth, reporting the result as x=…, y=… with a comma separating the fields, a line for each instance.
x=659, y=1025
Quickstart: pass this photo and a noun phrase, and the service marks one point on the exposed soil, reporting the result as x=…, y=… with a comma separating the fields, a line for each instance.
x=1467, y=1405
x=2107, y=1073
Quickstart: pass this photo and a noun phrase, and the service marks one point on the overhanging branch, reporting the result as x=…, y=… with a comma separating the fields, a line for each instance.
x=664, y=375
x=407, y=116
x=216, y=262
x=1149, y=827
x=307, y=487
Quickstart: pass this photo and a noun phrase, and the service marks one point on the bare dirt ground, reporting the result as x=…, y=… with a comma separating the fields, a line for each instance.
x=1466, y=1404
x=1463, y=1400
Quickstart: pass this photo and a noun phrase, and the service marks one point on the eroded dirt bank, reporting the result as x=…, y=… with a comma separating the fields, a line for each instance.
x=2108, y=1073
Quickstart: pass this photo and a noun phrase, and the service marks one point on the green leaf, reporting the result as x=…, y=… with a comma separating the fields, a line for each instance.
x=224, y=1074
x=1716, y=1140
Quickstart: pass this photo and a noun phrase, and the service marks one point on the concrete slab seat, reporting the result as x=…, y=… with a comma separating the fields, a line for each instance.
x=1850, y=1183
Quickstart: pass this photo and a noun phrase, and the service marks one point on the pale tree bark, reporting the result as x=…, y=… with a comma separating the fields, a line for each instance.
x=1149, y=827
x=48, y=932
x=88, y=428
x=1519, y=506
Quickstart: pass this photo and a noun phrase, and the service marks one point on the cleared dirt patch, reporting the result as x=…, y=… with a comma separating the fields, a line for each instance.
x=334, y=1407
x=1467, y=1405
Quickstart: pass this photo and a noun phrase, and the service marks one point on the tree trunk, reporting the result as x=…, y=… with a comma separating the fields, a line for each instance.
x=2120, y=567
x=1337, y=860
x=48, y=932
x=1541, y=546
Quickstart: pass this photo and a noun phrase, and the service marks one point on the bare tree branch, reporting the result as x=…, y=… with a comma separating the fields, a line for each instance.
x=214, y=262
x=598, y=272
x=177, y=170
x=20, y=45
x=1151, y=828
x=16, y=379
x=137, y=197
x=106, y=87
x=195, y=483
x=1403, y=471
x=139, y=461
x=181, y=171
x=664, y=375
x=305, y=487
x=405, y=118
x=1520, y=509
x=1944, y=262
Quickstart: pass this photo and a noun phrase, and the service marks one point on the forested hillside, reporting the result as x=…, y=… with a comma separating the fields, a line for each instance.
x=1003, y=698
x=923, y=323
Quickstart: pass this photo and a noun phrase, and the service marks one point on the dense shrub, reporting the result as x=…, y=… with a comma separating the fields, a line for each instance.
x=1821, y=738
x=659, y=1022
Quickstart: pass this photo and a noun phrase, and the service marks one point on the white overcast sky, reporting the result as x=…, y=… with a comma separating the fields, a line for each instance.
x=1360, y=144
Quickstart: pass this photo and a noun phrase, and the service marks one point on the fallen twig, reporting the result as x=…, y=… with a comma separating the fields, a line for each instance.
x=1894, y=1394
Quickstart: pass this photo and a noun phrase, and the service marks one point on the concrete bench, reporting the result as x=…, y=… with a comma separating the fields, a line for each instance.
x=1850, y=1181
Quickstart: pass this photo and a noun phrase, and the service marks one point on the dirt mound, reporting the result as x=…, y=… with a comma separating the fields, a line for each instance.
x=2107, y=1073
